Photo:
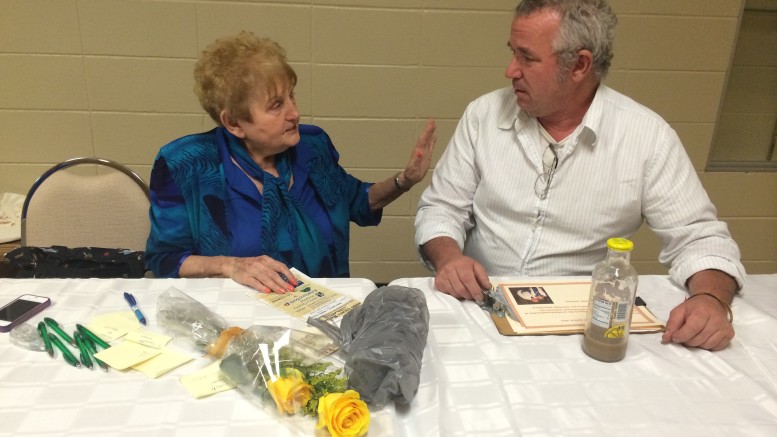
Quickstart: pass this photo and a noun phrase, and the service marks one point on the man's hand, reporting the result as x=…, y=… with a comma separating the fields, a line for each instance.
x=460, y=276
x=703, y=321
x=699, y=322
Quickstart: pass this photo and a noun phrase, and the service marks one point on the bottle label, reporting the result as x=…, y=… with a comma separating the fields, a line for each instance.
x=617, y=331
x=607, y=314
x=621, y=312
x=601, y=313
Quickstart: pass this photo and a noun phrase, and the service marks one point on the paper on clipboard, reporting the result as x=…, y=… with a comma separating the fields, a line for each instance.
x=557, y=307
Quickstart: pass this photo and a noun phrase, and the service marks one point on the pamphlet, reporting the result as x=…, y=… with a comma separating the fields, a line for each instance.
x=557, y=307
x=309, y=299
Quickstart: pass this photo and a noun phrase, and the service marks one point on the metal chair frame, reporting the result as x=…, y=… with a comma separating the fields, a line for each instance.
x=70, y=163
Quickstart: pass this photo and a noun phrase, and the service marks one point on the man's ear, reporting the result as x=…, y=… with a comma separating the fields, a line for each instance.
x=583, y=65
x=232, y=124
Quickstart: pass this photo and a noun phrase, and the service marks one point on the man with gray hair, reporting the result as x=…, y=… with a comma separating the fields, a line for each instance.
x=539, y=175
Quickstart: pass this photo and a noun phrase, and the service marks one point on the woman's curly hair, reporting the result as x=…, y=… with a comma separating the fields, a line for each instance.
x=233, y=71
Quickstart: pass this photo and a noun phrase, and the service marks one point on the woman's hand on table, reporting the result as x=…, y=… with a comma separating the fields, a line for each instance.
x=261, y=273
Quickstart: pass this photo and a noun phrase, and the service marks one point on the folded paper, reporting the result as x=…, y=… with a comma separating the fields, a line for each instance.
x=166, y=361
x=148, y=338
x=111, y=326
x=126, y=354
x=207, y=381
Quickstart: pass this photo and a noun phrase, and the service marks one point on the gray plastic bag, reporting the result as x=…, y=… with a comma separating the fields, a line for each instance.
x=383, y=341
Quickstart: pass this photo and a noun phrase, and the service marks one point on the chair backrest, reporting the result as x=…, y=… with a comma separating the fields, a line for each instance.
x=108, y=209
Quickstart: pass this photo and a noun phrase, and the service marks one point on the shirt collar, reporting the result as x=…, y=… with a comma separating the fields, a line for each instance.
x=509, y=112
x=511, y=117
x=592, y=120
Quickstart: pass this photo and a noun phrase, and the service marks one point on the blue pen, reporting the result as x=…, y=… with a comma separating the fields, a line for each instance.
x=134, y=305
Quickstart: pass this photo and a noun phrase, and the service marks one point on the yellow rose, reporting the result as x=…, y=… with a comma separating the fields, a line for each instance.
x=344, y=414
x=290, y=392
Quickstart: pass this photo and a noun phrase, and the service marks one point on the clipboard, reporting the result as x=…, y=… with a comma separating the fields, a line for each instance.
x=557, y=308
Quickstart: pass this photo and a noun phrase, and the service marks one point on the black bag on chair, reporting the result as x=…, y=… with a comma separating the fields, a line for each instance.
x=77, y=262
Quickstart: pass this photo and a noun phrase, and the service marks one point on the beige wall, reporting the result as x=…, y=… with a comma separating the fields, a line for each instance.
x=746, y=126
x=113, y=79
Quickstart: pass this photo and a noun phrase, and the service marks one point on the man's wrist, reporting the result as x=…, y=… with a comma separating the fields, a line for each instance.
x=726, y=306
x=439, y=251
x=716, y=282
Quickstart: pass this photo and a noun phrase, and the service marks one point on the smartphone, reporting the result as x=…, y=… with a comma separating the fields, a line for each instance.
x=21, y=309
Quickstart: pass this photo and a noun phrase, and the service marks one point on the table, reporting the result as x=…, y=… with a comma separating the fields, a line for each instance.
x=474, y=382
x=44, y=397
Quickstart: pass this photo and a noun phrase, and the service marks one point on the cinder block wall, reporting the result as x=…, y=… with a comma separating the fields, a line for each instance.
x=113, y=79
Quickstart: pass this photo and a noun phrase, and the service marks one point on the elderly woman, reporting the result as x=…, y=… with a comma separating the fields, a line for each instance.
x=260, y=193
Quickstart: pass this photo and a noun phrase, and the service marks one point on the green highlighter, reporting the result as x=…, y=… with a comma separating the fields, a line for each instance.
x=92, y=336
x=93, y=350
x=84, y=349
x=66, y=354
x=55, y=327
x=44, y=335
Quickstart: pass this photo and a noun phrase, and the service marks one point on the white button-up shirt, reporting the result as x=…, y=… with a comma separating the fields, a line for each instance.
x=622, y=165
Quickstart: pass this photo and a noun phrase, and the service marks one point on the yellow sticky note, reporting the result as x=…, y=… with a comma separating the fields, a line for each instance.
x=148, y=338
x=162, y=363
x=126, y=354
x=111, y=326
x=206, y=382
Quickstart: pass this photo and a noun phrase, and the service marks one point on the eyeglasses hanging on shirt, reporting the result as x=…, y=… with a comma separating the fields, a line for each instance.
x=549, y=164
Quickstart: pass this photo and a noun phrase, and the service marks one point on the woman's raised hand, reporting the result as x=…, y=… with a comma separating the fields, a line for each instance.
x=420, y=157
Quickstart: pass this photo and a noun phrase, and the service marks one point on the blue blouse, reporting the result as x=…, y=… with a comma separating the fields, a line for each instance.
x=202, y=203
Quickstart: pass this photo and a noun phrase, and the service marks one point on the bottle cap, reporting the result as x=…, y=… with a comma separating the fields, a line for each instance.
x=620, y=244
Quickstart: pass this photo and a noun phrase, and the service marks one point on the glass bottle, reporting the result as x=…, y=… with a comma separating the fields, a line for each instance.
x=610, y=305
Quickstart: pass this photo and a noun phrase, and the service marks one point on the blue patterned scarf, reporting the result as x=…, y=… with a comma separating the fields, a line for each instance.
x=288, y=234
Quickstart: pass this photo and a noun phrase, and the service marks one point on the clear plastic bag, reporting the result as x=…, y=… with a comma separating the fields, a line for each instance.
x=290, y=371
x=27, y=337
x=383, y=341
x=184, y=316
x=293, y=371
x=262, y=358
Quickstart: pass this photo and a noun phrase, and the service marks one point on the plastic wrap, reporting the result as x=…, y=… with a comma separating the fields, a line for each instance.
x=261, y=355
x=383, y=341
x=27, y=337
x=186, y=317
x=290, y=371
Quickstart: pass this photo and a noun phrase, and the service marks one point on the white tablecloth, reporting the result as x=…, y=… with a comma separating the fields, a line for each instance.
x=474, y=382
x=44, y=397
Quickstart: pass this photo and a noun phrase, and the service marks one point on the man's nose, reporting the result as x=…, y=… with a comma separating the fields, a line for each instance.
x=513, y=70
